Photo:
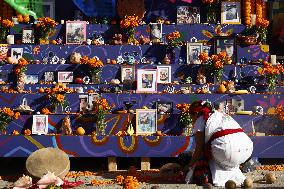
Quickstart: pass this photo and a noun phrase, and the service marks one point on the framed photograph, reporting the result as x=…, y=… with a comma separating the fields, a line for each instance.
x=127, y=74
x=75, y=32
x=164, y=74
x=65, y=77
x=146, y=121
x=164, y=107
x=206, y=49
x=92, y=98
x=227, y=44
x=188, y=15
x=231, y=12
x=49, y=8
x=193, y=52
x=84, y=103
x=156, y=33
x=4, y=76
x=49, y=77
x=28, y=35
x=40, y=124
x=146, y=81
x=31, y=79
x=17, y=53
x=239, y=105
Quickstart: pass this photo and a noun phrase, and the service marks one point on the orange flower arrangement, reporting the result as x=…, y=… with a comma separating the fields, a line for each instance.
x=6, y=116
x=280, y=112
x=43, y=29
x=60, y=98
x=23, y=18
x=271, y=73
x=4, y=29
x=95, y=63
x=21, y=67
x=185, y=117
x=46, y=22
x=129, y=22
x=173, y=38
x=15, y=132
x=6, y=23
x=84, y=60
x=27, y=132
x=45, y=111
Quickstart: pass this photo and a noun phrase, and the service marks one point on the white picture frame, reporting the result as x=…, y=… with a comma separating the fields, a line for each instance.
x=31, y=79
x=164, y=74
x=28, y=36
x=156, y=32
x=49, y=8
x=193, y=52
x=127, y=73
x=231, y=12
x=146, y=81
x=17, y=53
x=92, y=98
x=65, y=77
x=76, y=32
x=40, y=125
x=146, y=121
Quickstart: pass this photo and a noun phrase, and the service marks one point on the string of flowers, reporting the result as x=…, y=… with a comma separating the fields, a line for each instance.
x=5, y=25
x=173, y=39
x=247, y=12
x=271, y=73
x=43, y=29
x=23, y=18
x=7, y=116
x=215, y=63
x=261, y=22
x=56, y=96
x=101, y=108
x=130, y=23
x=280, y=112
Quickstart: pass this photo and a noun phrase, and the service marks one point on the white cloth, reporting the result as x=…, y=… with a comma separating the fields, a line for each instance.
x=228, y=151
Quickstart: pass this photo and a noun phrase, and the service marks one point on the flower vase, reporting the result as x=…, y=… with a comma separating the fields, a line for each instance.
x=271, y=81
x=101, y=127
x=44, y=37
x=96, y=77
x=131, y=36
x=211, y=14
x=3, y=35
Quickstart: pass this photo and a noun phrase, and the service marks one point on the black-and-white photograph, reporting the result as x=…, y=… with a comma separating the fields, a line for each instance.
x=28, y=36
x=193, y=52
x=188, y=15
x=49, y=77
x=206, y=49
x=92, y=99
x=231, y=13
x=84, y=103
x=227, y=44
x=127, y=74
x=17, y=53
x=156, y=33
x=164, y=107
x=75, y=32
x=31, y=79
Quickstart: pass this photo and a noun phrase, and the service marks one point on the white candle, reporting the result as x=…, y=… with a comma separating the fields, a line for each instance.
x=10, y=39
x=253, y=19
x=273, y=59
x=62, y=22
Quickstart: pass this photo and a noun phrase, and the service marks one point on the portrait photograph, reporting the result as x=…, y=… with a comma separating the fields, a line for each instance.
x=156, y=33
x=28, y=36
x=188, y=15
x=193, y=52
x=75, y=32
x=206, y=49
x=231, y=13
x=146, y=80
x=17, y=53
x=49, y=77
x=164, y=107
x=146, y=121
x=127, y=74
x=40, y=124
x=31, y=79
x=226, y=44
x=65, y=77
x=84, y=103
x=92, y=98
x=164, y=74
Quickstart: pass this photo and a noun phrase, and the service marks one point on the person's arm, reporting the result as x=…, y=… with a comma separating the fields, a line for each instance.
x=199, y=144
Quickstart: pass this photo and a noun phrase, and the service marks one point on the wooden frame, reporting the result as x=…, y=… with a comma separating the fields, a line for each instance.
x=40, y=124
x=70, y=76
x=169, y=110
x=226, y=45
x=146, y=120
x=143, y=87
x=123, y=76
x=169, y=74
x=193, y=52
x=231, y=12
x=25, y=36
x=71, y=32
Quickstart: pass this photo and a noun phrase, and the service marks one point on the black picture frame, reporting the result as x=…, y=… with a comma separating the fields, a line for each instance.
x=168, y=111
x=221, y=46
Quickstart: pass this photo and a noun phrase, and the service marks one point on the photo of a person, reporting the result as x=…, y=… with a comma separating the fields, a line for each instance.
x=75, y=32
x=28, y=36
x=231, y=12
x=17, y=53
x=164, y=75
x=40, y=124
x=147, y=80
x=146, y=121
x=65, y=77
x=194, y=50
x=49, y=76
x=163, y=107
x=188, y=15
x=127, y=74
x=84, y=104
x=226, y=45
x=156, y=32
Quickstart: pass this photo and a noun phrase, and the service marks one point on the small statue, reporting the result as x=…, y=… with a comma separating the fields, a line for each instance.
x=66, y=126
x=166, y=60
x=201, y=78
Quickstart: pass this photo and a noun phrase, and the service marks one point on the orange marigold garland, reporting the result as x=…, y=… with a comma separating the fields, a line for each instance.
x=174, y=39
x=7, y=116
x=280, y=112
x=261, y=22
x=247, y=12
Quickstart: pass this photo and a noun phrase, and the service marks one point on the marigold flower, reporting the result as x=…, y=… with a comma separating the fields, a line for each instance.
x=60, y=98
x=27, y=132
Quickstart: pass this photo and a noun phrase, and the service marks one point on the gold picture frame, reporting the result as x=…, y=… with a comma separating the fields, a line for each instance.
x=231, y=12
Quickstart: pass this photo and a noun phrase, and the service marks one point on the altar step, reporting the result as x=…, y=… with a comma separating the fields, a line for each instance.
x=145, y=164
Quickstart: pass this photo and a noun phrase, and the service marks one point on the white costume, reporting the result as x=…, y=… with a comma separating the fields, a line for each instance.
x=229, y=151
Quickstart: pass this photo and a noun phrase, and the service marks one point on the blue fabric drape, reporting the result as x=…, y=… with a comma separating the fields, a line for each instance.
x=94, y=8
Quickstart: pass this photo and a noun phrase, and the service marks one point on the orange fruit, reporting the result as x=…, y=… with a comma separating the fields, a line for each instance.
x=80, y=131
x=53, y=42
x=41, y=90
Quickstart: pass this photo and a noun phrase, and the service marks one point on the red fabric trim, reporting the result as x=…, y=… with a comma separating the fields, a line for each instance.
x=216, y=135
